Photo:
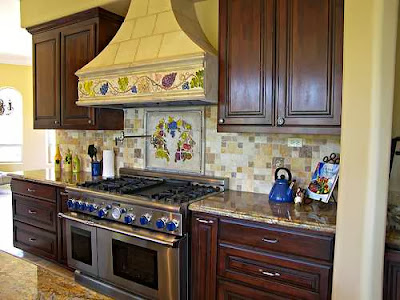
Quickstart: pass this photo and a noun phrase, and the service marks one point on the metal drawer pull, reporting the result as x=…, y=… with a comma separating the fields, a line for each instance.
x=269, y=273
x=32, y=240
x=63, y=194
x=204, y=221
x=32, y=212
x=274, y=241
x=30, y=190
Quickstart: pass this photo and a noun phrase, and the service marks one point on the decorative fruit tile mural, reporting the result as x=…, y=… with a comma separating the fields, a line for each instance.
x=248, y=159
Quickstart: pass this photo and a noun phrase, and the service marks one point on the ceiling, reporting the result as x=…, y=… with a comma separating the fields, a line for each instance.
x=15, y=42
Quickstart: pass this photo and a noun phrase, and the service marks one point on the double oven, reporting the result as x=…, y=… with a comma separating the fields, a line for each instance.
x=141, y=262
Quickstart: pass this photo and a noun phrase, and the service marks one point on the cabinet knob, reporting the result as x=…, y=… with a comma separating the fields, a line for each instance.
x=221, y=121
x=56, y=122
x=281, y=121
x=89, y=121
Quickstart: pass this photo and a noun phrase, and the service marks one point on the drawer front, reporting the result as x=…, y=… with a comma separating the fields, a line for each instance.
x=278, y=240
x=36, y=212
x=43, y=191
x=273, y=273
x=232, y=291
x=35, y=240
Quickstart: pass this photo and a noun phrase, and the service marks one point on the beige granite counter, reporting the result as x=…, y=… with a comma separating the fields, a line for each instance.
x=20, y=279
x=49, y=176
x=256, y=207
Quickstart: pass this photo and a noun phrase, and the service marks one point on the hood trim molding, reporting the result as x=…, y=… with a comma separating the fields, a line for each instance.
x=189, y=78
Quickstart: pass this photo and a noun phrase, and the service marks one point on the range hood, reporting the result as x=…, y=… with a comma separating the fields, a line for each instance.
x=160, y=56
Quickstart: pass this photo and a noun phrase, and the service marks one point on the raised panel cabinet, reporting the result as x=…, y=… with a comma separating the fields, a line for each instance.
x=60, y=48
x=391, y=279
x=246, y=62
x=280, y=66
x=204, y=257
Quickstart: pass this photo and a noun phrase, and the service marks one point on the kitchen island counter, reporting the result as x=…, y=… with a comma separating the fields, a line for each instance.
x=256, y=207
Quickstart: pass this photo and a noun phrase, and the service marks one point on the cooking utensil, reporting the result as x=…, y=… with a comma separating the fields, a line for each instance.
x=92, y=152
x=282, y=191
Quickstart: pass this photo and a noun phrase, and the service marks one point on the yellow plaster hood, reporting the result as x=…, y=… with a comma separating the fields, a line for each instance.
x=159, y=56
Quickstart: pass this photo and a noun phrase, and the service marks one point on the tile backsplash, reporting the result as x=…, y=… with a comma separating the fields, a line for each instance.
x=248, y=159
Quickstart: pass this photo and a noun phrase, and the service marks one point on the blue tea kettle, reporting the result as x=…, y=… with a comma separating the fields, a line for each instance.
x=282, y=191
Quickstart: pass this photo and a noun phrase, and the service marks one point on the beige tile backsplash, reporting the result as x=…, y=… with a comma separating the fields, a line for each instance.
x=248, y=159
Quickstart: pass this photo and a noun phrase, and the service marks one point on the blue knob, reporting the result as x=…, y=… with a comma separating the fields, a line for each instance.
x=91, y=208
x=144, y=220
x=82, y=206
x=70, y=204
x=76, y=205
x=101, y=213
x=160, y=223
x=172, y=225
x=128, y=219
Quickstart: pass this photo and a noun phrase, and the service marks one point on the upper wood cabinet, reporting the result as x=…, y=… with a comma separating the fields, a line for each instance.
x=60, y=48
x=280, y=66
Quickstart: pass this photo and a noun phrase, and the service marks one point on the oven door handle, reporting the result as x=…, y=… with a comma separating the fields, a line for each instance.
x=152, y=237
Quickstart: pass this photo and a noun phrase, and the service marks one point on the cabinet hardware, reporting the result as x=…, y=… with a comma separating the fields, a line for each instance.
x=32, y=212
x=63, y=194
x=32, y=239
x=30, y=190
x=269, y=273
x=281, y=121
x=274, y=241
x=56, y=122
x=204, y=221
x=221, y=121
x=90, y=121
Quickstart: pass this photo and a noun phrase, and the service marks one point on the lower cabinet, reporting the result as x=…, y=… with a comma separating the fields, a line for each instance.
x=391, y=279
x=234, y=259
x=36, y=227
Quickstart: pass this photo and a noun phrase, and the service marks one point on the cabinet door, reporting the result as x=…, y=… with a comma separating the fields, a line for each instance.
x=46, y=86
x=246, y=62
x=232, y=291
x=204, y=257
x=309, y=43
x=77, y=49
x=391, y=280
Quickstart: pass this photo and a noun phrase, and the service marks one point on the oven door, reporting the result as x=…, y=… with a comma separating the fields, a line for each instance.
x=81, y=247
x=148, y=268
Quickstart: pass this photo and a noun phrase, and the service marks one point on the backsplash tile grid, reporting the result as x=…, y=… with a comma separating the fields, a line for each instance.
x=248, y=159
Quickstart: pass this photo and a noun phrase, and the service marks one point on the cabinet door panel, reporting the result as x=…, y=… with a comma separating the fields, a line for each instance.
x=46, y=67
x=77, y=49
x=246, y=62
x=204, y=257
x=310, y=74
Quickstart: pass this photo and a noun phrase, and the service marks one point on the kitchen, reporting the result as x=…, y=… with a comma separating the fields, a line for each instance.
x=248, y=159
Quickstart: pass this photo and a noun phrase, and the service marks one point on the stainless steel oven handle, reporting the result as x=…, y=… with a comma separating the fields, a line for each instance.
x=132, y=234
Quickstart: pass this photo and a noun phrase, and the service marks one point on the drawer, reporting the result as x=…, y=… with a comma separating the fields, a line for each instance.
x=278, y=239
x=28, y=188
x=35, y=240
x=36, y=212
x=274, y=273
x=233, y=291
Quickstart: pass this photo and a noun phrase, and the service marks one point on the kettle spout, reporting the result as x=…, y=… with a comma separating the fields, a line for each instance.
x=289, y=191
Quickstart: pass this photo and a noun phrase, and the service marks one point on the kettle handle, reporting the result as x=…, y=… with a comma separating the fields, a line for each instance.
x=286, y=170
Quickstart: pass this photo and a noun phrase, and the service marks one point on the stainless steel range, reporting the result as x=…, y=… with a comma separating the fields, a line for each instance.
x=131, y=232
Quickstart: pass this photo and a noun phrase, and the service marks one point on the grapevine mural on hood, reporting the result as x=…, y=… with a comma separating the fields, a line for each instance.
x=176, y=139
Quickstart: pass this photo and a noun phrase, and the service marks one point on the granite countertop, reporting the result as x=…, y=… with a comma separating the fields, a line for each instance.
x=49, y=176
x=256, y=207
x=20, y=279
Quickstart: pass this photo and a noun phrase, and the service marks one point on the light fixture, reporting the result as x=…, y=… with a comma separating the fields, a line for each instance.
x=6, y=109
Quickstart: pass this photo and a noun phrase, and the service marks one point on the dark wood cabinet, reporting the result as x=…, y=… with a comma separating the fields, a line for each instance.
x=204, y=257
x=391, y=279
x=259, y=261
x=37, y=229
x=280, y=66
x=60, y=48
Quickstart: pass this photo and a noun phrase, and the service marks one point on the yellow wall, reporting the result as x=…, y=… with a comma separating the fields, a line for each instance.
x=368, y=80
x=396, y=105
x=34, y=147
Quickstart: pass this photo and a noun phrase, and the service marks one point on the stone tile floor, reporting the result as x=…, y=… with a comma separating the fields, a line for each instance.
x=26, y=276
